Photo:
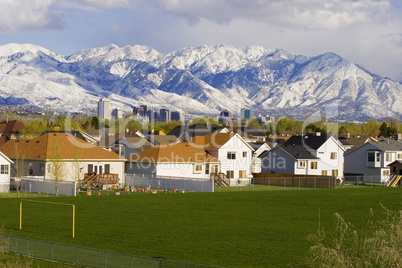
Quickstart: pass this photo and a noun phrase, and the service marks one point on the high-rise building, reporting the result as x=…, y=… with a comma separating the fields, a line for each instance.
x=104, y=109
x=164, y=115
x=117, y=113
x=178, y=116
x=246, y=113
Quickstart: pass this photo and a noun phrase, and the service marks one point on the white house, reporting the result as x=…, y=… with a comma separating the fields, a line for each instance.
x=371, y=159
x=259, y=148
x=231, y=150
x=5, y=170
x=312, y=154
x=79, y=158
x=182, y=160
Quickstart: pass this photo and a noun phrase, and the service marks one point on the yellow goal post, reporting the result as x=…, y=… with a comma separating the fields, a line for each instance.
x=51, y=203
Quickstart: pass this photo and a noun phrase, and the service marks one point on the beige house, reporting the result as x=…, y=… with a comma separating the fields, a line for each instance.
x=74, y=158
x=173, y=160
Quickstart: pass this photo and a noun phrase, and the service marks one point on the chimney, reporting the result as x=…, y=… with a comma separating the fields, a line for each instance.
x=398, y=136
x=347, y=136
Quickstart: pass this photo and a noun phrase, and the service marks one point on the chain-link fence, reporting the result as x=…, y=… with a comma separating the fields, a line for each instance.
x=81, y=256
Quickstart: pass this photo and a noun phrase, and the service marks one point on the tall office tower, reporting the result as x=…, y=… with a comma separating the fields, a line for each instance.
x=246, y=113
x=164, y=115
x=104, y=109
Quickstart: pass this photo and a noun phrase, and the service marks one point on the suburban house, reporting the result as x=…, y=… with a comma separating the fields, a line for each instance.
x=395, y=178
x=371, y=159
x=232, y=151
x=162, y=139
x=259, y=148
x=76, y=158
x=312, y=154
x=5, y=170
x=94, y=135
x=351, y=142
x=253, y=132
x=173, y=160
x=10, y=130
x=124, y=144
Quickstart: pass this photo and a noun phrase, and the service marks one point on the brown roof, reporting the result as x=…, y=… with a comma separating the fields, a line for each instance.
x=213, y=141
x=43, y=147
x=174, y=153
x=11, y=127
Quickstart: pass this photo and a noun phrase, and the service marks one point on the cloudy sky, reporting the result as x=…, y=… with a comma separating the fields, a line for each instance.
x=366, y=32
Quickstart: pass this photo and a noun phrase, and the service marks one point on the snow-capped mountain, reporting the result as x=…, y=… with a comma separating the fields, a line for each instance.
x=202, y=80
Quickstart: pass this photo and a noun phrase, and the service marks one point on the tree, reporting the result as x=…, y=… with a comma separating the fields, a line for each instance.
x=33, y=128
x=204, y=120
x=77, y=166
x=57, y=171
x=385, y=131
x=371, y=128
x=20, y=168
x=95, y=122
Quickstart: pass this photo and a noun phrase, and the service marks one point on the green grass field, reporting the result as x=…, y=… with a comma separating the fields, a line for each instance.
x=231, y=229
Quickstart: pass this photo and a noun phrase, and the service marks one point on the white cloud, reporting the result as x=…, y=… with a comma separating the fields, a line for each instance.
x=17, y=15
x=302, y=14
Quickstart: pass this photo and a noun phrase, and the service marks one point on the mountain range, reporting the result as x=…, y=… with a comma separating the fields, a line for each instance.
x=200, y=81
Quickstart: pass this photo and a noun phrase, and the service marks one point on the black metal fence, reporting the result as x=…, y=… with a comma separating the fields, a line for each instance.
x=81, y=256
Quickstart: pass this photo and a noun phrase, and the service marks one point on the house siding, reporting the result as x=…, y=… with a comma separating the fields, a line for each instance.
x=237, y=145
x=356, y=162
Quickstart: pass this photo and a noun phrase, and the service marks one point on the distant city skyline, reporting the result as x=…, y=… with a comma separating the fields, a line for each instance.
x=366, y=32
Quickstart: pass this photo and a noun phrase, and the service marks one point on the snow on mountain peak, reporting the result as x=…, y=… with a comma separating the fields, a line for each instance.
x=198, y=79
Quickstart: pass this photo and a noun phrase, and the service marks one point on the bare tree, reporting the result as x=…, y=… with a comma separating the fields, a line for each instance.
x=77, y=172
x=57, y=170
x=20, y=168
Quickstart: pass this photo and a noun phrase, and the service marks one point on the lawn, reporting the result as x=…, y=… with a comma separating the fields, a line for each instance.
x=232, y=229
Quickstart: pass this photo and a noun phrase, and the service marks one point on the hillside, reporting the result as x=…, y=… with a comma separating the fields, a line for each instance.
x=202, y=80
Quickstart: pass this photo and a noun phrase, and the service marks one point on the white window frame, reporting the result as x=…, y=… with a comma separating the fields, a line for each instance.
x=301, y=164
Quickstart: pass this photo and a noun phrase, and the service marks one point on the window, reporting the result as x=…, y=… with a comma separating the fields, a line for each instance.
x=4, y=169
x=314, y=165
x=388, y=157
x=334, y=155
x=230, y=174
x=30, y=168
x=370, y=157
x=244, y=154
x=107, y=168
x=385, y=172
x=378, y=157
x=334, y=173
x=206, y=168
x=301, y=164
x=90, y=168
x=399, y=156
x=42, y=168
x=242, y=174
x=231, y=155
x=197, y=168
x=324, y=173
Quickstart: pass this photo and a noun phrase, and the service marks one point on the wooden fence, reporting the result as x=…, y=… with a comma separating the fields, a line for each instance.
x=289, y=180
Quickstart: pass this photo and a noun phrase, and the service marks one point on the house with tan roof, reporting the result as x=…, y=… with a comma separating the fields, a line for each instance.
x=173, y=160
x=78, y=158
x=5, y=170
x=234, y=153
